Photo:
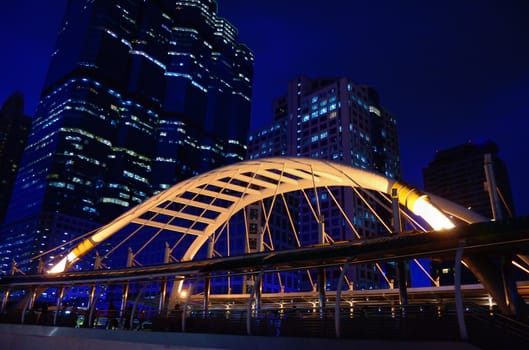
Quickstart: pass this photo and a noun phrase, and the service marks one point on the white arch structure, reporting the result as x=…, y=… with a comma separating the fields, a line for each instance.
x=205, y=202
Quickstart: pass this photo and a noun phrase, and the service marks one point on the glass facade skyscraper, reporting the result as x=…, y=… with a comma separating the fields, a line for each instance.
x=338, y=120
x=14, y=130
x=139, y=95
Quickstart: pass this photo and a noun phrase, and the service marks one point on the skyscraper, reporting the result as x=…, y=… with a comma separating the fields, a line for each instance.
x=465, y=174
x=14, y=130
x=459, y=174
x=338, y=120
x=131, y=105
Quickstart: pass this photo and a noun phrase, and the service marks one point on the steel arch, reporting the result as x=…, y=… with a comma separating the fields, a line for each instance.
x=218, y=194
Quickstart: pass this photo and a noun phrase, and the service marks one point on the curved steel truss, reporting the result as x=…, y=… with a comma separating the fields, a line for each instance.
x=202, y=205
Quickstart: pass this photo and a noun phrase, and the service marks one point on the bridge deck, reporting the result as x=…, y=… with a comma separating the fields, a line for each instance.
x=19, y=337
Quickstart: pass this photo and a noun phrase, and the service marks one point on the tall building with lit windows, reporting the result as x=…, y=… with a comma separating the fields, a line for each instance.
x=338, y=120
x=140, y=94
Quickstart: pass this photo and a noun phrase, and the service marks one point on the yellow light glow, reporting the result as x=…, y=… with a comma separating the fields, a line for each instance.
x=183, y=294
x=61, y=265
x=431, y=214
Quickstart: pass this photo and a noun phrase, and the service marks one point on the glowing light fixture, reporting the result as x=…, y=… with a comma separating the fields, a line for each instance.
x=435, y=218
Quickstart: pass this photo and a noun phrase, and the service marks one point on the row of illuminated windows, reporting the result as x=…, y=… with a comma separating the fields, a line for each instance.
x=321, y=112
x=136, y=177
x=85, y=158
x=144, y=130
x=116, y=201
x=132, y=153
x=86, y=134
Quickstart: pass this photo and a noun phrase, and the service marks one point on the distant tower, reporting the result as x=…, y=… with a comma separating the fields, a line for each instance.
x=14, y=130
x=459, y=174
x=465, y=174
x=139, y=95
x=338, y=120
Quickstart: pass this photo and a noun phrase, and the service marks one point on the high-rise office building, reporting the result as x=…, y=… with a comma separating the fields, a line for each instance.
x=474, y=176
x=14, y=130
x=338, y=120
x=464, y=174
x=140, y=94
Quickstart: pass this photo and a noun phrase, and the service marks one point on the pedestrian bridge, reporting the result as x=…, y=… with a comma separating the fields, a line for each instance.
x=194, y=218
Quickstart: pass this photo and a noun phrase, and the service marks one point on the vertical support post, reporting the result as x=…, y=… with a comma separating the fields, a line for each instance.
x=490, y=185
x=98, y=263
x=26, y=304
x=33, y=299
x=91, y=305
x=207, y=281
x=124, y=298
x=403, y=290
x=125, y=294
x=321, y=290
x=58, y=305
x=401, y=265
x=163, y=287
x=184, y=309
x=337, y=316
x=258, y=287
x=140, y=293
x=207, y=290
x=250, y=301
x=4, y=300
x=40, y=268
x=163, y=296
x=14, y=267
x=458, y=295
x=321, y=270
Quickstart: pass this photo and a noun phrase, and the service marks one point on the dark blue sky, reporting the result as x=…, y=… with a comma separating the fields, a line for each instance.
x=451, y=71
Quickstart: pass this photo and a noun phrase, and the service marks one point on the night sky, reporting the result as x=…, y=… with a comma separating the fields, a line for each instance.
x=450, y=71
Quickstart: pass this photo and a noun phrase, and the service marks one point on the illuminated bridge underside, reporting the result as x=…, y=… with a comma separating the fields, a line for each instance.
x=201, y=205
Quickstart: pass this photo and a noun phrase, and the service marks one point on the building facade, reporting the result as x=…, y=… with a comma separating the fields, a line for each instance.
x=14, y=130
x=139, y=96
x=464, y=174
x=460, y=174
x=338, y=120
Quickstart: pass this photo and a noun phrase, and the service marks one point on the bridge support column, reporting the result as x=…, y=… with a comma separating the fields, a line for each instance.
x=163, y=287
x=134, y=306
x=207, y=280
x=402, y=275
x=186, y=303
x=30, y=303
x=403, y=288
x=207, y=291
x=257, y=282
x=91, y=306
x=258, y=291
x=321, y=270
x=26, y=307
x=497, y=278
x=163, y=296
x=321, y=290
x=34, y=295
x=337, y=305
x=4, y=300
x=58, y=305
x=124, y=298
x=458, y=294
